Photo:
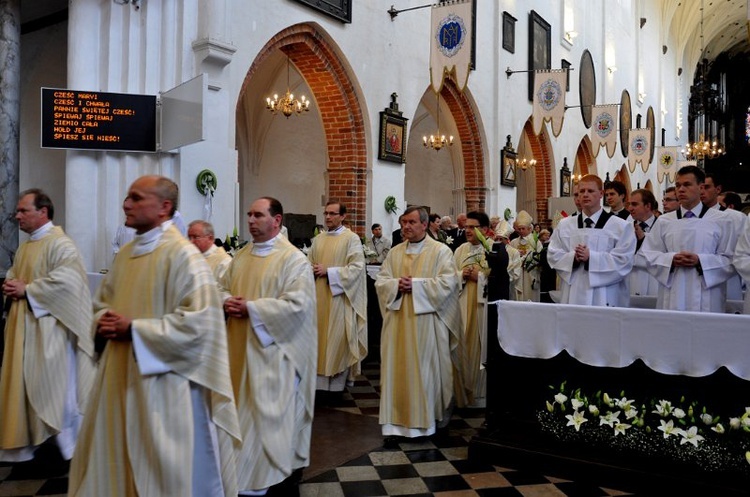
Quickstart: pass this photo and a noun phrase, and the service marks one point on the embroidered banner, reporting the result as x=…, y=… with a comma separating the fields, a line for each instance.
x=604, y=129
x=638, y=148
x=667, y=163
x=549, y=99
x=450, y=43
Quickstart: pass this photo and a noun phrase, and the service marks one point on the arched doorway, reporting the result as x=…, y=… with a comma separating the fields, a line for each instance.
x=452, y=180
x=314, y=157
x=535, y=184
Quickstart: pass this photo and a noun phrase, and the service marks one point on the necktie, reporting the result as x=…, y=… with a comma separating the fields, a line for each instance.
x=689, y=214
x=643, y=225
x=588, y=222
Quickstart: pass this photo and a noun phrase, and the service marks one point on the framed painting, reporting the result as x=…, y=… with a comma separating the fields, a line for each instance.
x=508, y=172
x=540, y=47
x=565, y=64
x=565, y=182
x=509, y=32
x=392, y=138
x=338, y=9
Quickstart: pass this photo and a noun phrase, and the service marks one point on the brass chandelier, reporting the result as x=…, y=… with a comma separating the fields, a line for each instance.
x=287, y=104
x=437, y=140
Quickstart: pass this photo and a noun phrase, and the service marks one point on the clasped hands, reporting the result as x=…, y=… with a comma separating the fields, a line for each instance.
x=404, y=284
x=236, y=307
x=582, y=253
x=16, y=289
x=320, y=271
x=685, y=259
x=470, y=273
x=114, y=326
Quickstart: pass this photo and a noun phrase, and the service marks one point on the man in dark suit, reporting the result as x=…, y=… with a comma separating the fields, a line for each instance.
x=459, y=233
x=396, y=237
x=615, y=193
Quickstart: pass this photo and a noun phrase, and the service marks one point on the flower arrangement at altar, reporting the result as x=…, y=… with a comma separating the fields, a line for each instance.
x=477, y=259
x=674, y=430
x=367, y=251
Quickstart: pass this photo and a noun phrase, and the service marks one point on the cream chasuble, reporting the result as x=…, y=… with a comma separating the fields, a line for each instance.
x=218, y=260
x=420, y=337
x=473, y=310
x=46, y=358
x=528, y=246
x=272, y=359
x=142, y=434
x=342, y=301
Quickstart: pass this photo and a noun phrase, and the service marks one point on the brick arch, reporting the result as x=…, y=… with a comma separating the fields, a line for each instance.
x=541, y=150
x=475, y=187
x=340, y=108
x=584, y=158
x=623, y=176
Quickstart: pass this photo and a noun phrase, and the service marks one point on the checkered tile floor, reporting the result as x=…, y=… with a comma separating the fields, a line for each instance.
x=436, y=466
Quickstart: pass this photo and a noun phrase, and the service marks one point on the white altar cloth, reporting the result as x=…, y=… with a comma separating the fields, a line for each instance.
x=669, y=342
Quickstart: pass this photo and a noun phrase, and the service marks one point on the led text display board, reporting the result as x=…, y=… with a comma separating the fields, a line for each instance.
x=98, y=121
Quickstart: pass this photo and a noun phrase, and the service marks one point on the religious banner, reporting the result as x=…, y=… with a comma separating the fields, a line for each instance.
x=639, y=147
x=549, y=99
x=667, y=163
x=604, y=129
x=450, y=43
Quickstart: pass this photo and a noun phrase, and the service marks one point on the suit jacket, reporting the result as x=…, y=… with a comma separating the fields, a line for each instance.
x=396, y=237
x=458, y=238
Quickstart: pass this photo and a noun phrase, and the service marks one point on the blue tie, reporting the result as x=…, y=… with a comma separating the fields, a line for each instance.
x=689, y=214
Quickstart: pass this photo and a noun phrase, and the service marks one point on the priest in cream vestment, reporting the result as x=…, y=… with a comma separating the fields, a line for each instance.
x=48, y=360
x=338, y=263
x=161, y=419
x=201, y=234
x=418, y=289
x=269, y=297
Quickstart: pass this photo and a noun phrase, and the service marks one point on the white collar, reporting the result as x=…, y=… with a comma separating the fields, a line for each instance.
x=210, y=250
x=594, y=217
x=336, y=231
x=416, y=247
x=262, y=249
x=145, y=243
x=40, y=231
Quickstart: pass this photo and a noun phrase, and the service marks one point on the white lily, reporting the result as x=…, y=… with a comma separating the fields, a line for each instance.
x=664, y=408
x=719, y=428
x=691, y=436
x=735, y=423
x=576, y=403
x=561, y=398
x=449, y=240
x=747, y=456
x=745, y=421
x=576, y=420
x=607, y=399
x=609, y=419
x=625, y=404
x=620, y=428
x=678, y=413
x=550, y=407
x=707, y=419
x=631, y=413
x=593, y=409
x=668, y=428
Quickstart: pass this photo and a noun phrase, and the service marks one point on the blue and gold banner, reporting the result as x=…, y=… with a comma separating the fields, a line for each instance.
x=549, y=99
x=604, y=129
x=450, y=43
x=639, y=147
x=667, y=163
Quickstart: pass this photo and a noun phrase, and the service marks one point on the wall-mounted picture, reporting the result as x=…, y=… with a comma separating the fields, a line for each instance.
x=338, y=9
x=392, y=138
x=508, y=173
x=565, y=182
x=540, y=47
x=509, y=32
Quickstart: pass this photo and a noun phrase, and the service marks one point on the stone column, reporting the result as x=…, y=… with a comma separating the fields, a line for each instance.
x=10, y=80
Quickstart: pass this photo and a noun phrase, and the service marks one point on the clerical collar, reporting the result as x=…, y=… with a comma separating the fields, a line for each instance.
x=40, y=231
x=264, y=248
x=336, y=231
x=145, y=243
x=594, y=217
x=415, y=247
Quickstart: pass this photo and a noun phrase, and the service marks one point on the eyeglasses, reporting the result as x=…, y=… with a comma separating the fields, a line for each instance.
x=329, y=213
x=666, y=199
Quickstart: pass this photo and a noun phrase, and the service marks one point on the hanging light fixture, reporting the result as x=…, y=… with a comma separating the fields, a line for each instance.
x=287, y=104
x=437, y=141
x=525, y=163
x=703, y=97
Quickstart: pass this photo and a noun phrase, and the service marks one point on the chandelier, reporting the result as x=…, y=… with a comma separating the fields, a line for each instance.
x=287, y=104
x=704, y=100
x=437, y=141
x=703, y=149
x=525, y=163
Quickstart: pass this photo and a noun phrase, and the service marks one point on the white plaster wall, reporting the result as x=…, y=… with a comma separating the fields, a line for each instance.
x=42, y=65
